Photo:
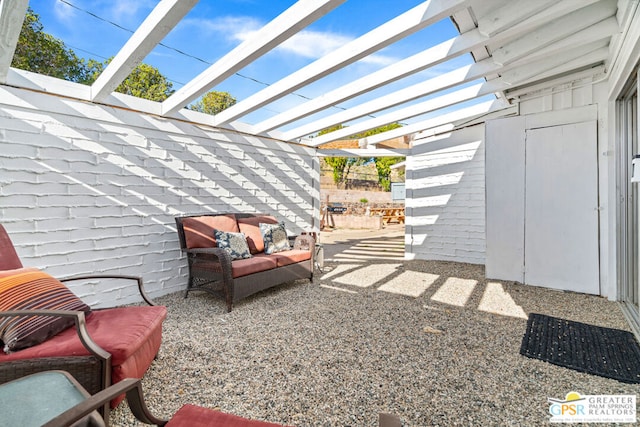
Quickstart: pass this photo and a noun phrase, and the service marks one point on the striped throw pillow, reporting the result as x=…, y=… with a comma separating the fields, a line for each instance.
x=33, y=289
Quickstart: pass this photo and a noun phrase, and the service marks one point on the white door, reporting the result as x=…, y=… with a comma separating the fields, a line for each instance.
x=561, y=201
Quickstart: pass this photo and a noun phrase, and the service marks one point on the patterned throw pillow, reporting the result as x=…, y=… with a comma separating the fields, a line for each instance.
x=234, y=243
x=275, y=238
x=33, y=289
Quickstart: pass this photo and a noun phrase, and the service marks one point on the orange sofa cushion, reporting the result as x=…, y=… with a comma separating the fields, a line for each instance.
x=291, y=257
x=249, y=226
x=256, y=264
x=198, y=230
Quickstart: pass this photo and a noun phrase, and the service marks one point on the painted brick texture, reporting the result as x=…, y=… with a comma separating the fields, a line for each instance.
x=93, y=189
x=445, y=204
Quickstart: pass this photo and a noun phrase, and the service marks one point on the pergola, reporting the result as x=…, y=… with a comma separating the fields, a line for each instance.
x=515, y=44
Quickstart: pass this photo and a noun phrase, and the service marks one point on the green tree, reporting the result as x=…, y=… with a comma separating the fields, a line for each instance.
x=383, y=166
x=213, y=102
x=377, y=130
x=331, y=129
x=42, y=53
x=341, y=167
x=145, y=81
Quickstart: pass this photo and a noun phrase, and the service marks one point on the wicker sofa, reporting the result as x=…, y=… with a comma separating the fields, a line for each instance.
x=212, y=269
x=100, y=347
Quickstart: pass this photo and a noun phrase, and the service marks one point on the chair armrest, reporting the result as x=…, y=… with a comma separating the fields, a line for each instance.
x=80, y=323
x=144, y=295
x=135, y=398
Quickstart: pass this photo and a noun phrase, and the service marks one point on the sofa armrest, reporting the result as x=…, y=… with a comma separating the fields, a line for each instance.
x=304, y=242
x=215, y=255
x=212, y=254
x=80, y=324
x=144, y=295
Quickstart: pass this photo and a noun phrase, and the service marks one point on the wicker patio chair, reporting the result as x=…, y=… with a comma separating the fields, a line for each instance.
x=92, y=366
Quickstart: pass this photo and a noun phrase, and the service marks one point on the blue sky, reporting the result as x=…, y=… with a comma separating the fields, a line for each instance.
x=213, y=27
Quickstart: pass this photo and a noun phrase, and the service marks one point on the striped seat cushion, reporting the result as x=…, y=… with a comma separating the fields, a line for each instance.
x=33, y=289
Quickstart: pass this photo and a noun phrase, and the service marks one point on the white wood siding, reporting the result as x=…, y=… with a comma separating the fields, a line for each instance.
x=445, y=205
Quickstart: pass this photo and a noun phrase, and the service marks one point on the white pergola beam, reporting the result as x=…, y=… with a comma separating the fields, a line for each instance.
x=545, y=87
x=12, y=13
x=162, y=19
x=601, y=32
x=42, y=83
x=579, y=56
x=502, y=18
x=556, y=30
x=435, y=55
x=576, y=58
x=444, y=81
x=413, y=110
x=287, y=24
x=364, y=152
x=587, y=60
x=403, y=25
x=444, y=120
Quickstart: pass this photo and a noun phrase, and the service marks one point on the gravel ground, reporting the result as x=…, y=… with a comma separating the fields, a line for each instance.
x=432, y=342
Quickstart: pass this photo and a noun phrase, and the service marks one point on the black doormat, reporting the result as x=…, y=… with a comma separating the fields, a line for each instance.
x=609, y=353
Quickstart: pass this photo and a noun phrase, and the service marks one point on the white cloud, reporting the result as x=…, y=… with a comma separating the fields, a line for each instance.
x=232, y=28
x=306, y=44
x=378, y=59
x=313, y=44
x=63, y=12
x=125, y=10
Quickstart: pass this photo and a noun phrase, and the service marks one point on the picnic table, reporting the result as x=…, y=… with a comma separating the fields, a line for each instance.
x=388, y=214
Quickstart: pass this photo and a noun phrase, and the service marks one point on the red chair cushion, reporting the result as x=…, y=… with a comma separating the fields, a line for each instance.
x=131, y=334
x=196, y=416
x=120, y=331
x=9, y=259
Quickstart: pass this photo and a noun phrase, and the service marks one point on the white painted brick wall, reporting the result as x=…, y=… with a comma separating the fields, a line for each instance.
x=445, y=204
x=92, y=189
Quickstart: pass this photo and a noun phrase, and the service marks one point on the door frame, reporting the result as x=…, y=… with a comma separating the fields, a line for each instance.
x=628, y=195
